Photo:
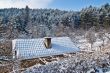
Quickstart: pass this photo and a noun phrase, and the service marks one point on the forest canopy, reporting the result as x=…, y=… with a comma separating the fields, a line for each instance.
x=33, y=23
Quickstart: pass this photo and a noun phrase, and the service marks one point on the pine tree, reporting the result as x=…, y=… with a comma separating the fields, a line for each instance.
x=26, y=15
x=107, y=22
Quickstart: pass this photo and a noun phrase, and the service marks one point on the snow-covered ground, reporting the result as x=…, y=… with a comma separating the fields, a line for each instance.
x=80, y=63
x=82, y=43
x=96, y=59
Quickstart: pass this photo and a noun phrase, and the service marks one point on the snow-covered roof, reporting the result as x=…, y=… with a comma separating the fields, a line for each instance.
x=33, y=48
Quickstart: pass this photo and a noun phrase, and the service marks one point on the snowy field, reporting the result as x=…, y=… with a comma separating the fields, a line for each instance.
x=80, y=63
x=89, y=59
x=82, y=43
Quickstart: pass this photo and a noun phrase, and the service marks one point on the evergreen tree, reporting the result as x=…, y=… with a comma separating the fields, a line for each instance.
x=26, y=15
x=107, y=22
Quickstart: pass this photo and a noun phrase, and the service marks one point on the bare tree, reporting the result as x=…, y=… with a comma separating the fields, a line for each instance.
x=90, y=36
x=101, y=36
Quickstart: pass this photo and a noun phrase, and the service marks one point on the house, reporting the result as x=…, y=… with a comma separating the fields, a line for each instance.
x=42, y=47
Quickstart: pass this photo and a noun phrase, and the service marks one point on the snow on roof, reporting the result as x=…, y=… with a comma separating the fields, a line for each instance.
x=33, y=48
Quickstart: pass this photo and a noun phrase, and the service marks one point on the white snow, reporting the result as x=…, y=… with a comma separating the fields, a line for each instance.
x=85, y=60
x=83, y=44
x=107, y=72
x=33, y=48
x=91, y=70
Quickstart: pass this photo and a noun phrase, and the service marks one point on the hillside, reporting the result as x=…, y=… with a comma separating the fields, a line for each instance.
x=87, y=60
x=89, y=30
x=34, y=23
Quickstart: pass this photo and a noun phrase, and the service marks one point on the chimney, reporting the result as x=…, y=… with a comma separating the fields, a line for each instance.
x=47, y=42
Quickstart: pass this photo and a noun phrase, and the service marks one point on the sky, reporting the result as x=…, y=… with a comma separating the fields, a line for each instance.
x=75, y=5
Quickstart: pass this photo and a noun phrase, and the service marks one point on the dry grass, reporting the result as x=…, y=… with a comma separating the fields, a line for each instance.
x=5, y=48
x=31, y=62
x=6, y=66
x=41, y=61
x=6, y=69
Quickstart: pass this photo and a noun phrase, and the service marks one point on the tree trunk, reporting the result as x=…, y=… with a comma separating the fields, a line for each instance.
x=91, y=46
x=103, y=43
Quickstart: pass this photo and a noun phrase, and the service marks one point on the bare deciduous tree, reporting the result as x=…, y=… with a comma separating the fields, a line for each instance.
x=90, y=36
x=101, y=36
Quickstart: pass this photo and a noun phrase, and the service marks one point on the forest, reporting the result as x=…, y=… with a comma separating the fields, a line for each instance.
x=88, y=29
x=35, y=23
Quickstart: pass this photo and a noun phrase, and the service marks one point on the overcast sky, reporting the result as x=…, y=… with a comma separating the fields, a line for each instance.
x=59, y=4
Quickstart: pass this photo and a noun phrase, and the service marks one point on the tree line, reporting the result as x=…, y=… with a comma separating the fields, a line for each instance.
x=32, y=23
